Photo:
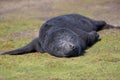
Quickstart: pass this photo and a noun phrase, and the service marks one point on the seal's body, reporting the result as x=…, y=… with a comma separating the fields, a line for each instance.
x=64, y=36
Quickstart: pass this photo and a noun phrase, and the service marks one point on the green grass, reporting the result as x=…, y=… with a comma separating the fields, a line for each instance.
x=13, y=32
x=100, y=62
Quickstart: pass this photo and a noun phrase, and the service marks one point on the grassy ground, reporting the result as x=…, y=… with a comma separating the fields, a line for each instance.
x=100, y=62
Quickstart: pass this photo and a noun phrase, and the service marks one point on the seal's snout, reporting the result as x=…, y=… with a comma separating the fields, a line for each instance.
x=66, y=47
x=69, y=49
x=73, y=49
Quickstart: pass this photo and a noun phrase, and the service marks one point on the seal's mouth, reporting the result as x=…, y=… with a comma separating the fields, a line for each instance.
x=75, y=51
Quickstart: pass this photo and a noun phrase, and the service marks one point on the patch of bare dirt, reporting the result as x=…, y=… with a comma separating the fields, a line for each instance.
x=107, y=10
x=29, y=8
x=30, y=34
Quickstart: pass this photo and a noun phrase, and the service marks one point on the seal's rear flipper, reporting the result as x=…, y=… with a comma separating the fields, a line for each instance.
x=33, y=46
x=108, y=26
x=100, y=25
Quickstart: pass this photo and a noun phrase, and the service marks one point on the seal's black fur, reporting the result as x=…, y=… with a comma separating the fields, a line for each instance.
x=64, y=36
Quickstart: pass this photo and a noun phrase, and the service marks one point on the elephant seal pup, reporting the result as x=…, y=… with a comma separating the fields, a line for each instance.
x=64, y=36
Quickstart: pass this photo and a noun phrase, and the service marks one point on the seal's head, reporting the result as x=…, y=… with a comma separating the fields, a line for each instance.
x=63, y=43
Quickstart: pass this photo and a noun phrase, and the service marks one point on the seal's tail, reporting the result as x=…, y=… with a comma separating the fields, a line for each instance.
x=31, y=47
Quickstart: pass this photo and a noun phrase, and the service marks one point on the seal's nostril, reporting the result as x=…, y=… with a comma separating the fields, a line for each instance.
x=73, y=47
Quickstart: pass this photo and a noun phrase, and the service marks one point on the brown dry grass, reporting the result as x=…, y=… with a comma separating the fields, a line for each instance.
x=107, y=10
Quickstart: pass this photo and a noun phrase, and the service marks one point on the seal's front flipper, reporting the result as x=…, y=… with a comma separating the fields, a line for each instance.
x=33, y=46
x=92, y=38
